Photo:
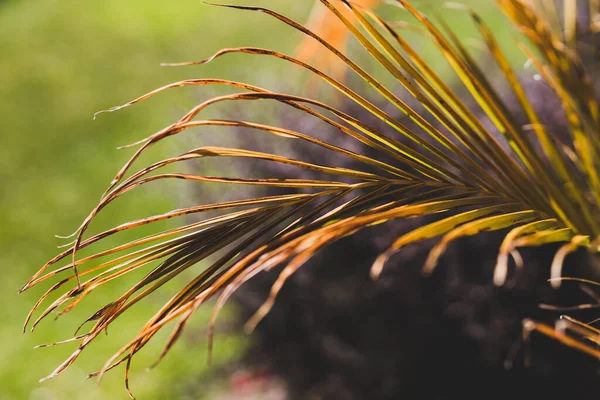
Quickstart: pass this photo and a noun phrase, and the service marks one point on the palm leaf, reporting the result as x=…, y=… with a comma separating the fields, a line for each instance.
x=446, y=165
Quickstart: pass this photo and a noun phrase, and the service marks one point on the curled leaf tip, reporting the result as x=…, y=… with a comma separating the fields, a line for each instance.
x=68, y=236
x=112, y=109
x=102, y=112
x=179, y=64
x=62, y=246
x=377, y=267
x=127, y=146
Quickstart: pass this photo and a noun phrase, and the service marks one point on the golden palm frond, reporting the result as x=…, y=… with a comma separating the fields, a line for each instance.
x=472, y=176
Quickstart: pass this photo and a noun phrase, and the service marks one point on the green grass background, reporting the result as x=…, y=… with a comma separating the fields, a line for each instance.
x=61, y=61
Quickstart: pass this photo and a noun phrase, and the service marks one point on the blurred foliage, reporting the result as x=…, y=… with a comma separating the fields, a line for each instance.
x=61, y=61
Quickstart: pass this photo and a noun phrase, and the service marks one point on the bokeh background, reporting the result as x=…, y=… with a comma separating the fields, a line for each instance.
x=63, y=60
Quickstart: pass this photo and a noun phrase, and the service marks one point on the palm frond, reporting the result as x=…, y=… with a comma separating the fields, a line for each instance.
x=445, y=163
